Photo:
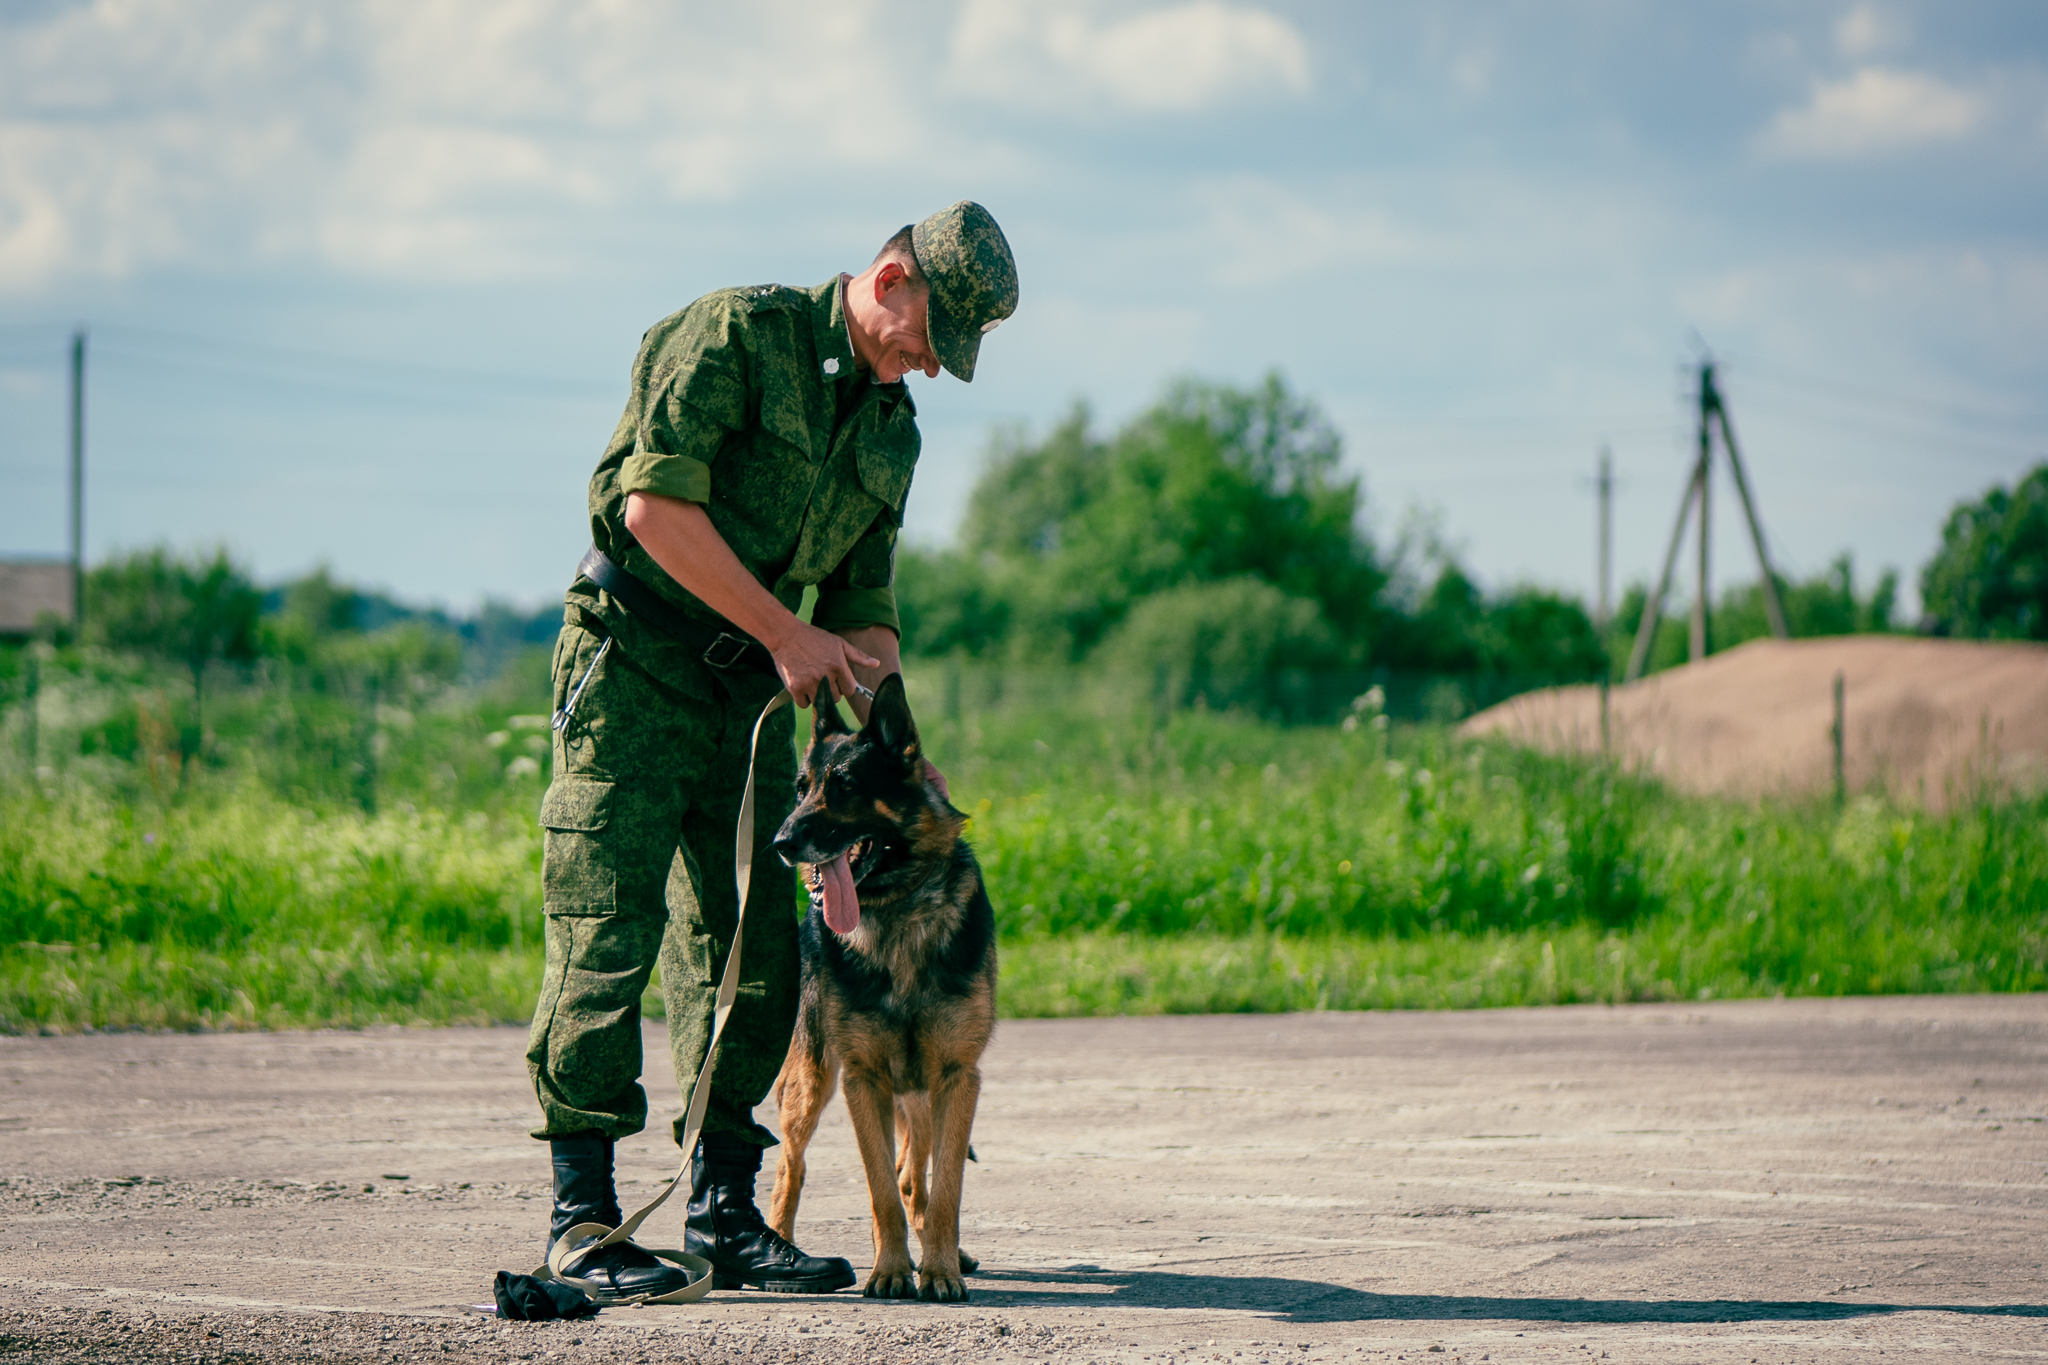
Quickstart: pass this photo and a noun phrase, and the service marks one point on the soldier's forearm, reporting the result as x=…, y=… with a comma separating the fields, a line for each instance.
x=880, y=642
x=689, y=549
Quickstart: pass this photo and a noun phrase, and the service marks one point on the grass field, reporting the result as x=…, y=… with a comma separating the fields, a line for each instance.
x=1139, y=864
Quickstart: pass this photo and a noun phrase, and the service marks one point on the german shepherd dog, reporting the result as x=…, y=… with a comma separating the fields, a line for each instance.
x=899, y=987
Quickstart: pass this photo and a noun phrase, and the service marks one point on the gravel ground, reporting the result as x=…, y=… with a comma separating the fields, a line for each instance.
x=98, y=1335
x=1742, y=1181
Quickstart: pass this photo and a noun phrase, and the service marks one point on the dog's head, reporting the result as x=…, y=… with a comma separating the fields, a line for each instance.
x=862, y=801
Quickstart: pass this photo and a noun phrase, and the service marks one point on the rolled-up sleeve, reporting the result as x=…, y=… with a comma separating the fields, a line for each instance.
x=861, y=591
x=671, y=476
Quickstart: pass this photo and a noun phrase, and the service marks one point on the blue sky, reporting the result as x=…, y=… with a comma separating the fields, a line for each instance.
x=363, y=279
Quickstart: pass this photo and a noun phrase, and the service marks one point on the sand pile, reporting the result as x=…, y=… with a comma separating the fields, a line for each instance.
x=1932, y=721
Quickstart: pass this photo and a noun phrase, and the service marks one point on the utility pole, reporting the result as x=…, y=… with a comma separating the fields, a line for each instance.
x=1699, y=640
x=1698, y=490
x=78, y=478
x=1773, y=607
x=1606, y=487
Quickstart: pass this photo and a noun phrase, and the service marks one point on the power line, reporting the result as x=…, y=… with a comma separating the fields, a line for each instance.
x=1786, y=377
x=1906, y=429
x=329, y=360
x=424, y=386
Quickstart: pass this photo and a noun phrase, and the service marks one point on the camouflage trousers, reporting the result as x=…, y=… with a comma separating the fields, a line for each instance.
x=639, y=822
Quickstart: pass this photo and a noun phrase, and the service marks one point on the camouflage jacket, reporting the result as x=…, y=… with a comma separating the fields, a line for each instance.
x=749, y=401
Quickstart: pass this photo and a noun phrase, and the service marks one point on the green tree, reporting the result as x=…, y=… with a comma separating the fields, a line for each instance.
x=308, y=610
x=948, y=602
x=196, y=611
x=1989, y=579
x=1525, y=632
x=1826, y=604
x=1533, y=633
x=1212, y=483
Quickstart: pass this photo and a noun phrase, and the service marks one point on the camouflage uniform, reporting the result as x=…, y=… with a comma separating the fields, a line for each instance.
x=749, y=401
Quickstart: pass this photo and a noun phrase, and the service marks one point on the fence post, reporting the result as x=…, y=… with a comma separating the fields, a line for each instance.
x=32, y=686
x=1606, y=734
x=1837, y=733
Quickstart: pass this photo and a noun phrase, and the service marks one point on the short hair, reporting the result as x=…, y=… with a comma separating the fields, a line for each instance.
x=898, y=248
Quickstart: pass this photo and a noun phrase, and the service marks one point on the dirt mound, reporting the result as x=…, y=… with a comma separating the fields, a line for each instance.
x=1933, y=721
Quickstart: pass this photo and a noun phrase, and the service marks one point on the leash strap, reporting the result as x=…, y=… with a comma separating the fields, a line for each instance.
x=565, y=1254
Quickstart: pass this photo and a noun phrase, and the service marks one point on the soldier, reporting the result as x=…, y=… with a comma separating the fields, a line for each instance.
x=767, y=446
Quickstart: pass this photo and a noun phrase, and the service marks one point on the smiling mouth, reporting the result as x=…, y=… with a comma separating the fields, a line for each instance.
x=862, y=856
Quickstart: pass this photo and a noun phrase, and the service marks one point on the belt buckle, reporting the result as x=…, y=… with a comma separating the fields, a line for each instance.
x=727, y=650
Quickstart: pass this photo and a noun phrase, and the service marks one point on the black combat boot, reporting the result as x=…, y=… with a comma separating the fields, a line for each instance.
x=584, y=1194
x=727, y=1230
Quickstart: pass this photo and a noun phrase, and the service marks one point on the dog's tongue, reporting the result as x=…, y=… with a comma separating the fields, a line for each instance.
x=842, y=902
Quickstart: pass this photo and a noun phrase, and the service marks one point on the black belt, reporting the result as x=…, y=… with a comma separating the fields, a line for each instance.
x=721, y=649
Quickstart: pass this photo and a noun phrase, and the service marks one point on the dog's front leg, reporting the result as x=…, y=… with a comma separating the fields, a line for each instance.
x=800, y=1095
x=871, y=1104
x=955, y=1094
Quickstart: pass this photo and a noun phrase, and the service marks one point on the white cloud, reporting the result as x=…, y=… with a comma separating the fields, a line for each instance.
x=1876, y=110
x=1175, y=59
x=1863, y=30
x=413, y=137
x=1261, y=233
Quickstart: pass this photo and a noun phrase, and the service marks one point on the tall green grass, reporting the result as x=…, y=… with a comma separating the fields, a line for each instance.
x=246, y=911
x=1217, y=864
x=1478, y=843
x=1138, y=863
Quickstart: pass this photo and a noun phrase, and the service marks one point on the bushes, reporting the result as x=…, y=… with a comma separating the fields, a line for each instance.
x=1228, y=644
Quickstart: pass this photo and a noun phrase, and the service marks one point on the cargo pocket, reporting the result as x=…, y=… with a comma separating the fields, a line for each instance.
x=577, y=877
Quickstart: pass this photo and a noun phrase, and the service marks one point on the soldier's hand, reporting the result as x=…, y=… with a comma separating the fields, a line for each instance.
x=806, y=656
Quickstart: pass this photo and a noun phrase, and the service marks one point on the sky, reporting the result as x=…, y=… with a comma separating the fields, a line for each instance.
x=362, y=280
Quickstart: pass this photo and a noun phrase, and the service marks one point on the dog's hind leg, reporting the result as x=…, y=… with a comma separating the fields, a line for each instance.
x=871, y=1104
x=955, y=1093
x=913, y=1154
x=801, y=1090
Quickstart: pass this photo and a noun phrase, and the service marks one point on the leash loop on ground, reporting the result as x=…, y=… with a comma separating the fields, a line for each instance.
x=571, y=1247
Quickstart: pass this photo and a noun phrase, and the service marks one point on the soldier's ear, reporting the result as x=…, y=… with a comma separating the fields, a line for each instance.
x=890, y=726
x=825, y=717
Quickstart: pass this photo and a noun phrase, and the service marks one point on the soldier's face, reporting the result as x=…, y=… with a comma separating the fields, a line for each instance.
x=897, y=326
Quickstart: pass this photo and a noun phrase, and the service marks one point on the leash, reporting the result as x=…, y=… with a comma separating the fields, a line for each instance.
x=566, y=1254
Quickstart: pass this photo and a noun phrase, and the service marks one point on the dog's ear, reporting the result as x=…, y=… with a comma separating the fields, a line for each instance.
x=890, y=726
x=825, y=716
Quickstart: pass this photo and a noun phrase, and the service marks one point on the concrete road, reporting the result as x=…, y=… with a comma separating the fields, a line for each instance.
x=1768, y=1181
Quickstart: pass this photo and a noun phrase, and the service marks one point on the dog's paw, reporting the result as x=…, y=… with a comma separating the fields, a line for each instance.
x=891, y=1284
x=938, y=1286
x=968, y=1265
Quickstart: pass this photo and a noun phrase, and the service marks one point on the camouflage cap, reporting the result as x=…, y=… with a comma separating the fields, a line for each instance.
x=973, y=278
